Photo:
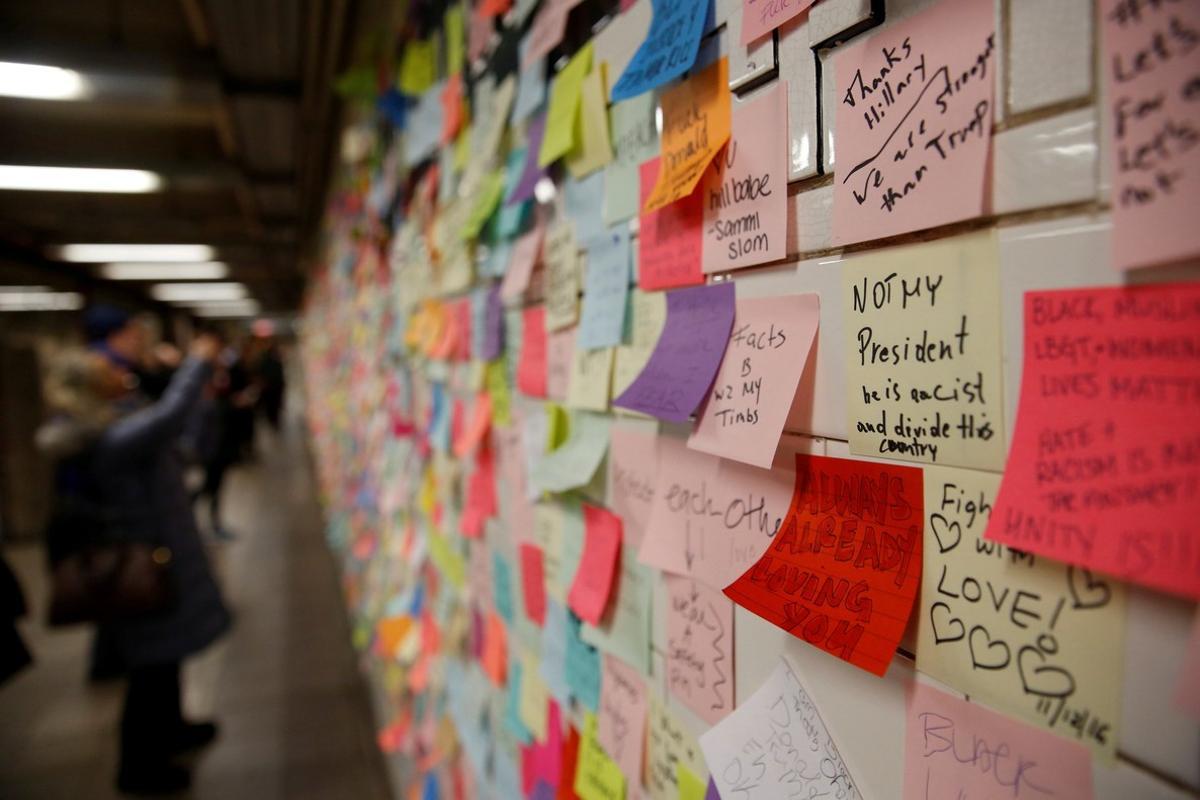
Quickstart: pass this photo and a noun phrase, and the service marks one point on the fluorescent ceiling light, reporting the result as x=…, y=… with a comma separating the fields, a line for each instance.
x=158, y=253
x=229, y=310
x=150, y=271
x=41, y=82
x=23, y=289
x=40, y=301
x=197, y=292
x=78, y=179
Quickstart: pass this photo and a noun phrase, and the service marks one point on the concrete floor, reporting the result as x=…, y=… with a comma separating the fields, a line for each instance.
x=293, y=709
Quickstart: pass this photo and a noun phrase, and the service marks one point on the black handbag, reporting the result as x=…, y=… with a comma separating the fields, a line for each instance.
x=98, y=576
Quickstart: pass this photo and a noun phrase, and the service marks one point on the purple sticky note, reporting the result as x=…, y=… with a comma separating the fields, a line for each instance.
x=689, y=351
x=532, y=172
x=493, y=325
x=544, y=791
x=712, y=793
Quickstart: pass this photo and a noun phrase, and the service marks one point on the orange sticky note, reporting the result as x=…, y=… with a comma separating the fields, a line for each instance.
x=452, y=107
x=494, y=657
x=1150, y=60
x=845, y=567
x=473, y=432
x=533, y=582
x=670, y=240
x=696, y=124
x=594, y=577
x=531, y=366
x=1103, y=469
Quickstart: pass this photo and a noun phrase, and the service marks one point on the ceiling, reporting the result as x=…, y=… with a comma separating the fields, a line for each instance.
x=230, y=100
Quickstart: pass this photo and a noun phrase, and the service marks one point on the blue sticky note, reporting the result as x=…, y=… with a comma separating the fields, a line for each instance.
x=583, y=201
x=479, y=307
x=606, y=291
x=553, y=667
x=512, y=709
x=531, y=87
x=669, y=49
x=502, y=587
x=512, y=218
x=430, y=789
x=583, y=667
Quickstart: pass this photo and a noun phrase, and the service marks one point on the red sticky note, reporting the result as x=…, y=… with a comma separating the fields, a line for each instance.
x=461, y=311
x=452, y=102
x=845, y=567
x=594, y=578
x=481, y=501
x=531, y=367
x=1104, y=467
x=494, y=657
x=570, y=758
x=533, y=582
x=670, y=242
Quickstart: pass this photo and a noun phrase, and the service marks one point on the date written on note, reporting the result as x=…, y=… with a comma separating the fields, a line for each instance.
x=914, y=122
x=924, y=331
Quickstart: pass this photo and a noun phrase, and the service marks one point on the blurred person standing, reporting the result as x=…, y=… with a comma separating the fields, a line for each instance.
x=124, y=456
x=272, y=382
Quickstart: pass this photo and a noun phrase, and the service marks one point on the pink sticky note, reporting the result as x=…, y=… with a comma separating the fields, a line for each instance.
x=481, y=498
x=760, y=17
x=954, y=749
x=632, y=473
x=699, y=647
x=621, y=719
x=743, y=416
x=1151, y=103
x=1187, y=689
x=547, y=30
x=560, y=348
x=712, y=519
x=1102, y=470
x=594, y=578
x=914, y=122
x=533, y=583
x=745, y=187
x=531, y=363
x=669, y=240
x=525, y=253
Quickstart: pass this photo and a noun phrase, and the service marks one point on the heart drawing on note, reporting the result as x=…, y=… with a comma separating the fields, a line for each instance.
x=941, y=633
x=1086, y=590
x=1043, y=679
x=943, y=530
x=995, y=652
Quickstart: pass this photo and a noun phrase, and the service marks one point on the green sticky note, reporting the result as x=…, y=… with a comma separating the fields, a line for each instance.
x=418, y=66
x=486, y=202
x=562, y=116
x=453, y=28
x=690, y=787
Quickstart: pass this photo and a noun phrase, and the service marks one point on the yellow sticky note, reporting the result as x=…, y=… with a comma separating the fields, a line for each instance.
x=590, y=379
x=669, y=742
x=594, y=148
x=557, y=426
x=447, y=560
x=418, y=66
x=534, y=698
x=922, y=338
x=647, y=317
x=562, y=115
x=696, y=124
x=454, y=29
x=690, y=787
x=1014, y=631
x=497, y=383
x=486, y=200
x=427, y=498
x=597, y=777
x=462, y=146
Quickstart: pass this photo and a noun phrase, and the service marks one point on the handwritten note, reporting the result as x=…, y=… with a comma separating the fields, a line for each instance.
x=560, y=352
x=597, y=777
x=760, y=17
x=685, y=360
x=624, y=631
x=1027, y=636
x=1103, y=469
x=914, y=122
x=776, y=745
x=669, y=746
x=606, y=290
x=524, y=255
x=632, y=475
x=745, y=189
x=670, y=240
x=602, y=547
x=562, y=277
x=699, y=657
x=844, y=570
x=533, y=583
x=621, y=720
x=712, y=519
x=668, y=51
x=593, y=149
x=954, y=748
x=531, y=366
x=562, y=114
x=696, y=125
x=924, y=333
x=743, y=415
x=1150, y=61
x=634, y=140
x=591, y=376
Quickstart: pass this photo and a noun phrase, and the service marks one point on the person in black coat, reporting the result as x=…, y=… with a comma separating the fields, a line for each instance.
x=132, y=465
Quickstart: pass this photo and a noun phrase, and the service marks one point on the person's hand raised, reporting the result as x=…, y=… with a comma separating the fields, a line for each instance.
x=205, y=347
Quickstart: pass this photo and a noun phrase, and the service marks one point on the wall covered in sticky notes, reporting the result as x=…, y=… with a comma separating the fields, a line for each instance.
x=814, y=415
